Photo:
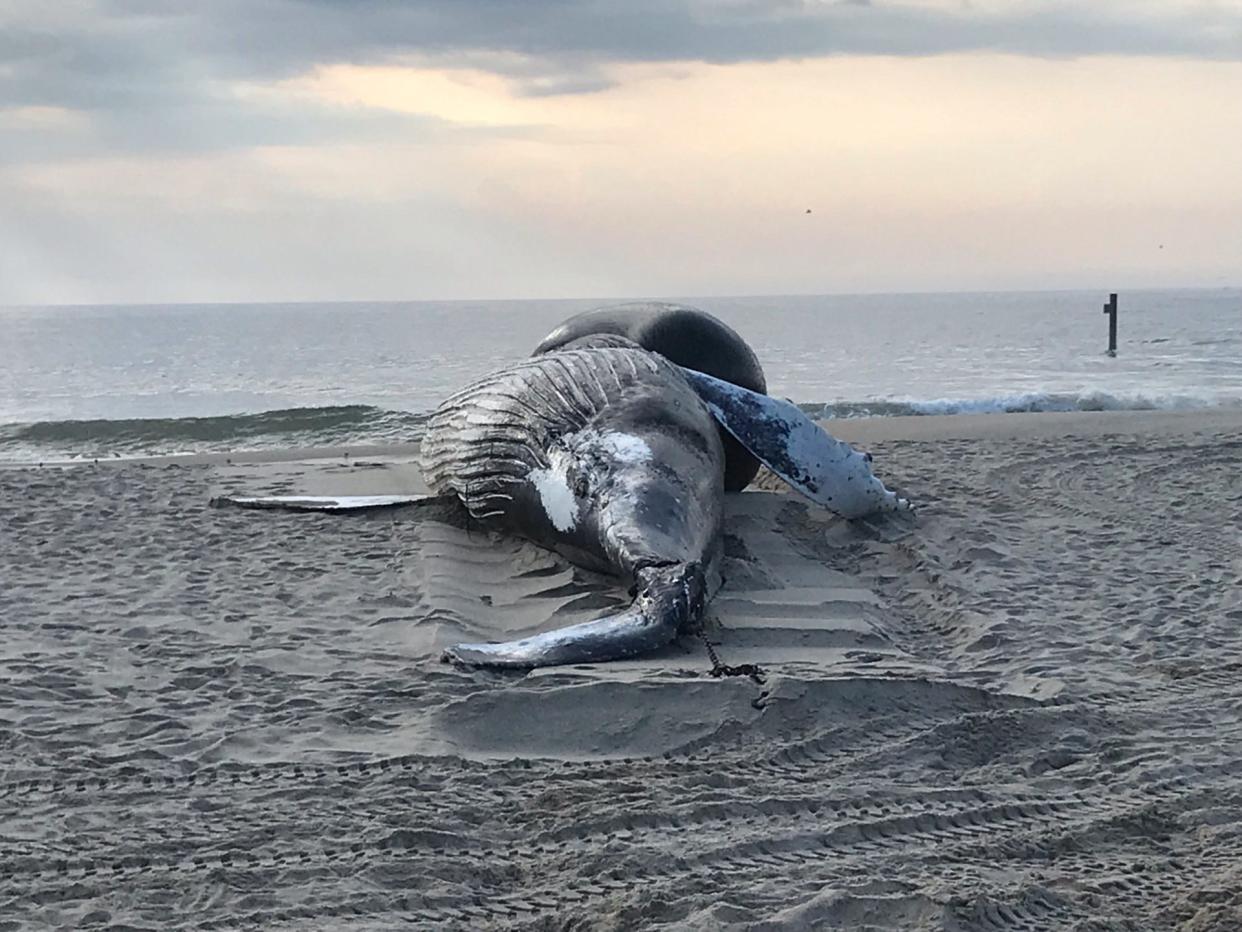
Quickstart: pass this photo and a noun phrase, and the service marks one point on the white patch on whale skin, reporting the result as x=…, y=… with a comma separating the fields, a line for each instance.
x=558, y=499
x=627, y=448
x=556, y=495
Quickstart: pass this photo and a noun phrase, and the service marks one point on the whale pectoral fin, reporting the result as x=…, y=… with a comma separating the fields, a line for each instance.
x=333, y=503
x=670, y=599
x=828, y=471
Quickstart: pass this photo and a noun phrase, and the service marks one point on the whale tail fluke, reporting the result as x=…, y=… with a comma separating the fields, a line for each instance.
x=669, y=602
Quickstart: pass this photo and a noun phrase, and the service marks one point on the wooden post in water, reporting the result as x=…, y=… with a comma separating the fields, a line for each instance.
x=1111, y=310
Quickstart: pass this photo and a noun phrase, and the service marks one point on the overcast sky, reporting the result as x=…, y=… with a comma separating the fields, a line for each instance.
x=237, y=150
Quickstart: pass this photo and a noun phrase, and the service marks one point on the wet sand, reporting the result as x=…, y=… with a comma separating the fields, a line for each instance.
x=1018, y=711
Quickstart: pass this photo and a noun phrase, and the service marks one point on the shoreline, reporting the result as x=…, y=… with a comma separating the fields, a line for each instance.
x=930, y=427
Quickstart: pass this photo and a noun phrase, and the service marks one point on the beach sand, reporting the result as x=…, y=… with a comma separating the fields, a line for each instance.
x=1020, y=710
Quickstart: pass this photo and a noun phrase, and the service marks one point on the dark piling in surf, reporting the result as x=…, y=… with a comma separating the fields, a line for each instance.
x=1111, y=310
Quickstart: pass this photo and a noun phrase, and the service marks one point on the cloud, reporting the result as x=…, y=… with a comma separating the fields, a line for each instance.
x=158, y=148
x=119, y=53
x=950, y=172
x=165, y=74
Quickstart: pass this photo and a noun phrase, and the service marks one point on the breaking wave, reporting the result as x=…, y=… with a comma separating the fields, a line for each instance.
x=1021, y=403
x=365, y=425
x=338, y=425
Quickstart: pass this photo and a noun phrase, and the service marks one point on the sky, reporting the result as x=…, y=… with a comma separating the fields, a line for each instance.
x=295, y=150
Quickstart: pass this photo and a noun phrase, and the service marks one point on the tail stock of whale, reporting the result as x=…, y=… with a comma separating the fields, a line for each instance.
x=669, y=601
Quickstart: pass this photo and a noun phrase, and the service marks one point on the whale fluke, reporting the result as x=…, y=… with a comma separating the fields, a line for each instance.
x=669, y=603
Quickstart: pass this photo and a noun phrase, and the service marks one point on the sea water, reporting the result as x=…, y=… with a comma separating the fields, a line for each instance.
x=140, y=380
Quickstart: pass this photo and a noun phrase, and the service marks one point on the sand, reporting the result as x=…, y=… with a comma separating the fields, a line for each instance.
x=1018, y=711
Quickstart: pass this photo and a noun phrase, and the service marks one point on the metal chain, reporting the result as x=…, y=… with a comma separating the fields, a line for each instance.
x=754, y=671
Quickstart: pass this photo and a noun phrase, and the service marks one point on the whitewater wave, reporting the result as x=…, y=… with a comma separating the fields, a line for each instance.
x=365, y=425
x=337, y=425
x=1018, y=403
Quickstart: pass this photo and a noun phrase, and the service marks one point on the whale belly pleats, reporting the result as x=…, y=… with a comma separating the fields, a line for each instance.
x=484, y=442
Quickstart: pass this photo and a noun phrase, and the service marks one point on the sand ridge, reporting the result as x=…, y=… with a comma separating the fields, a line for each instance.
x=1017, y=712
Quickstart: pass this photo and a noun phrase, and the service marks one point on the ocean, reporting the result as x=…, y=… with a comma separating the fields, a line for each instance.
x=123, y=381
